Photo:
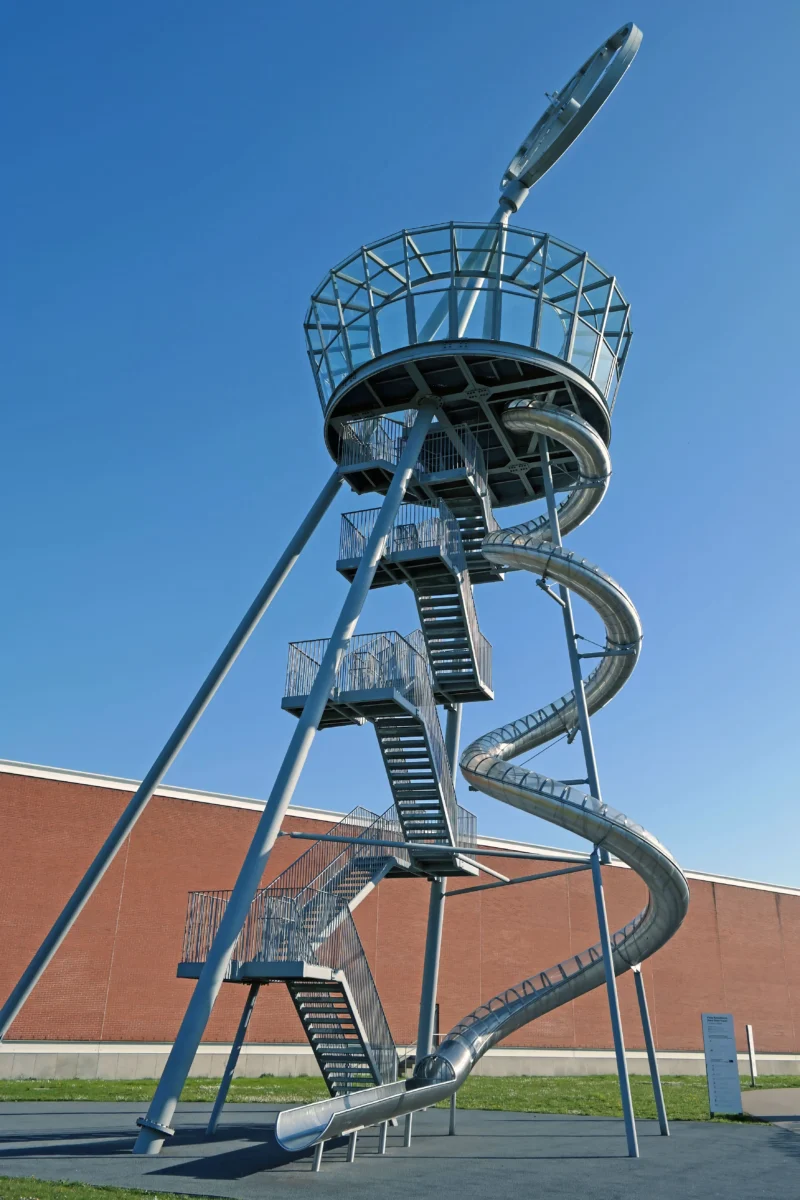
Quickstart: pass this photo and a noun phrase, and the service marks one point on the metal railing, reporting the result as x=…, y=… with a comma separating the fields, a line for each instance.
x=382, y=439
x=374, y=439
x=376, y=661
x=419, y=526
x=467, y=829
x=465, y=280
x=304, y=916
x=416, y=527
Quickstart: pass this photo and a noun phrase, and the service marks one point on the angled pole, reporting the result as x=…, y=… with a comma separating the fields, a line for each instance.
x=433, y=939
x=650, y=1046
x=597, y=856
x=613, y=1007
x=233, y=1059
x=138, y=802
x=155, y=1126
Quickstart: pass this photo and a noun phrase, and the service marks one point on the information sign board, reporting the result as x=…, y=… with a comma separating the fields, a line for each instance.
x=722, y=1065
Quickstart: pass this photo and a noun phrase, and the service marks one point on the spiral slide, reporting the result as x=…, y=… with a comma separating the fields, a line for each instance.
x=485, y=765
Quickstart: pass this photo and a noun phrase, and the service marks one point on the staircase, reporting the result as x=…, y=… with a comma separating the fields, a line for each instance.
x=413, y=779
x=451, y=468
x=387, y=679
x=335, y=1034
x=300, y=930
x=425, y=550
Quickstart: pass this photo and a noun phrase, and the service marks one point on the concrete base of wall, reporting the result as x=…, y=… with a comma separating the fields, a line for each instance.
x=130, y=1060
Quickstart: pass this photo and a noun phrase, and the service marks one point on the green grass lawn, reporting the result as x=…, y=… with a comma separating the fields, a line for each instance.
x=589, y=1095
x=28, y=1188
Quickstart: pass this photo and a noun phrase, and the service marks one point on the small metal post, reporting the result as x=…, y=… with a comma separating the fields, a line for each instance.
x=650, y=1045
x=613, y=1005
x=384, y=1129
x=351, y=1146
x=317, y=1160
x=212, y=976
x=233, y=1058
x=140, y=799
x=452, y=1130
x=751, y=1053
x=407, y=1131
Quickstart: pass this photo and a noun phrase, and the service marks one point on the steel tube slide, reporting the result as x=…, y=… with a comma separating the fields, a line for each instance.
x=485, y=765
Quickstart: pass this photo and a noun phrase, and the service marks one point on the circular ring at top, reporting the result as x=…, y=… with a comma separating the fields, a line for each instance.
x=573, y=107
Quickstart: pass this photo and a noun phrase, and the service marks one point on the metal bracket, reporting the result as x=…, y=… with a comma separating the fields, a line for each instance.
x=609, y=653
x=542, y=583
x=166, y=1130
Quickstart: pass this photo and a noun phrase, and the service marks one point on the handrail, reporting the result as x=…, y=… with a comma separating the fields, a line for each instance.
x=467, y=280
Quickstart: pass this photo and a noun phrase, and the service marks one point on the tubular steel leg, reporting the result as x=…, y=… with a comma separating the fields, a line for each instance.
x=316, y=1162
x=650, y=1045
x=598, y=855
x=452, y=1130
x=233, y=1058
x=433, y=940
x=382, y=1137
x=141, y=797
x=430, y=970
x=352, y=1142
x=407, y=1131
x=162, y=1106
x=613, y=1005
x=452, y=736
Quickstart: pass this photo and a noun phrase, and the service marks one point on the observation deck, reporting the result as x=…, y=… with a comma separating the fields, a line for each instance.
x=474, y=315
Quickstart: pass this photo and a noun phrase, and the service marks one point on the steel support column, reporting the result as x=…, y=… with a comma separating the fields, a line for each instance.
x=233, y=1058
x=155, y=1126
x=613, y=1007
x=176, y=740
x=650, y=1046
x=433, y=939
x=598, y=856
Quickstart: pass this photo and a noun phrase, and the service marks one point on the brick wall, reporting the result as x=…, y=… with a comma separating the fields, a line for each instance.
x=114, y=977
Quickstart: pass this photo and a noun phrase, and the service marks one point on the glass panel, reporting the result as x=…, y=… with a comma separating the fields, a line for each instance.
x=475, y=323
x=337, y=360
x=361, y=348
x=602, y=370
x=593, y=275
x=392, y=325
x=469, y=239
x=516, y=318
x=431, y=241
x=552, y=332
x=432, y=315
x=583, y=347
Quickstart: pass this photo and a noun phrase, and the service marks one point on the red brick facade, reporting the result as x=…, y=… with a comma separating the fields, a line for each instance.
x=114, y=977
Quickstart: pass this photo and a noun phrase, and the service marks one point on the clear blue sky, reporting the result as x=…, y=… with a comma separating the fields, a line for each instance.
x=178, y=178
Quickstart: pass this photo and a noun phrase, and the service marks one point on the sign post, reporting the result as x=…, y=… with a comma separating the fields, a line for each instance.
x=722, y=1065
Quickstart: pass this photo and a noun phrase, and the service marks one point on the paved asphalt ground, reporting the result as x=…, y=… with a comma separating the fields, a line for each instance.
x=495, y=1155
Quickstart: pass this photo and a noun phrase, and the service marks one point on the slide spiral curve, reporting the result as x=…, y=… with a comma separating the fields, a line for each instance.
x=485, y=765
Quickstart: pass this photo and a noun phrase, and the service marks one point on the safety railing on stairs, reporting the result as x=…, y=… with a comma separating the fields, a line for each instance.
x=416, y=527
x=421, y=526
x=381, y=439
x=325, y=866
x=378, y=661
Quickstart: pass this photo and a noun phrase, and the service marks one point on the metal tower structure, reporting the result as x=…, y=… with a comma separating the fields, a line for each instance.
x=462, y=368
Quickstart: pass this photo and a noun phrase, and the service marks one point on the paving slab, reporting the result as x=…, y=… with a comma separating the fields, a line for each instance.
x=779, y=1106
x=495, y=1154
